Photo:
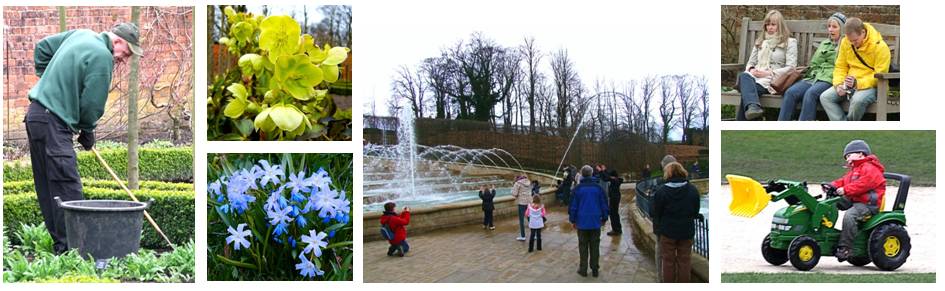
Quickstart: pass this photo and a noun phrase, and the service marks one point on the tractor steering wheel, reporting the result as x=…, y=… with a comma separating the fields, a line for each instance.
x=829, y=189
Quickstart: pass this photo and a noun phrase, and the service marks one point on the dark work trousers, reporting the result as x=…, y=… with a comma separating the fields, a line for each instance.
x=55, y=171
x=615, y=213
x=487, y=218
x=589, y=247
x=535, y=234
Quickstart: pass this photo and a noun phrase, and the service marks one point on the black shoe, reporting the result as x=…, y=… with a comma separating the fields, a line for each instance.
x=594, y=273
x=582, y=273
x=842, y=254
x=614, y=233
x=754, y=111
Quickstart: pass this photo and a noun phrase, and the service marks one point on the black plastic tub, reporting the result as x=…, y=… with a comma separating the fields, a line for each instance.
x=103, y=229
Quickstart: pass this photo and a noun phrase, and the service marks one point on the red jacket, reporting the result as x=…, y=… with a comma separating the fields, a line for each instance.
x=865, y=177
x=397, y=225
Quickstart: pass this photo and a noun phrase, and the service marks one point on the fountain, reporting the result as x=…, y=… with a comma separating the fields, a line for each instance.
x=441, y=182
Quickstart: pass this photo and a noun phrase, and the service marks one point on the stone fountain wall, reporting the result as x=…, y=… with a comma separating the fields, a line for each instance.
x=463, y=213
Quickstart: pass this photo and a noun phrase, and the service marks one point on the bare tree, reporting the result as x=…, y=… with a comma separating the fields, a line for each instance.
x=702, y=89
x=567, y=87
x=667, y=107
x=532, y=57
x=685, y=95
x=409, y=86
x=647, y=92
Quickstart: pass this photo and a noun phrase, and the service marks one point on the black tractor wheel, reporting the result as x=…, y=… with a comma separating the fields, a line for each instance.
x=889, y=246
x=859, y=261
x=772, y=255
x=804, y=253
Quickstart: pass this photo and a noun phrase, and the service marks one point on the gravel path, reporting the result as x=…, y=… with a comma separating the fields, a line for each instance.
x=740, y=238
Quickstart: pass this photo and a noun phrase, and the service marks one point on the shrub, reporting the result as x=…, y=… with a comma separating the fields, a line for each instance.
x=172, y=210
x=160, y=164
x=19, y=187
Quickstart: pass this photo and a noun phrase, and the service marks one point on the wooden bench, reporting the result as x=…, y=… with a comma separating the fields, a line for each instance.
x=809, y=34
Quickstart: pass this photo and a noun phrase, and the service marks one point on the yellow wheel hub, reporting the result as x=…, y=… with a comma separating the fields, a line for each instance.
x=891, y=246
x=806, y=253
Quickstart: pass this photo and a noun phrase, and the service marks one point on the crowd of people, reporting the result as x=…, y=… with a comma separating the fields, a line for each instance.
x=592, y=197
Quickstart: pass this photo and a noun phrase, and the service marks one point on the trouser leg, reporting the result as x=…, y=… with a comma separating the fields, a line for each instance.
x=861, y=99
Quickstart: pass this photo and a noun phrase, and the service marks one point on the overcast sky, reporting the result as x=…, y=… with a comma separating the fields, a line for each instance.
x=604, y=39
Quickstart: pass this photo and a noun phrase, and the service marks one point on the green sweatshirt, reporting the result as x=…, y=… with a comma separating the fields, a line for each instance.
x=75, y=73
x=822, y=62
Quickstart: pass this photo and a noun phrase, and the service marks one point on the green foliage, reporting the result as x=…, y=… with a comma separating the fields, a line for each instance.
x=172, y=210
x=143, y=266
x=34, y=239
x=159, y=164
x=19, y=187
x=279, y=91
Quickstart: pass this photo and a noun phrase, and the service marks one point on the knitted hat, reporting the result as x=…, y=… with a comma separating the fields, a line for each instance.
x=842, y=19
x=856, y=146
x=667, y=159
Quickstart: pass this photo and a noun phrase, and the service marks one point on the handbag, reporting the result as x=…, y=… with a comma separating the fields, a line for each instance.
x=784, y=81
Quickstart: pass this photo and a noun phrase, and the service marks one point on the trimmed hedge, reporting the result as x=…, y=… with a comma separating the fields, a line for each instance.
x=19, y=187
x=156, y=164
x=172, y=210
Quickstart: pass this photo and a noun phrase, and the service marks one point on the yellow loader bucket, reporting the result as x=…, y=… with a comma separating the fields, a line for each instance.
x=748, y=196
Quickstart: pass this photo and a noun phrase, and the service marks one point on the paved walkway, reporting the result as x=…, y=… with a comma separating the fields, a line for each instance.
x=472, y=254
x=740, y=242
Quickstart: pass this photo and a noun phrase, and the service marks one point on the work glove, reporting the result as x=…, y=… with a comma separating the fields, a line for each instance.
x=87, y=139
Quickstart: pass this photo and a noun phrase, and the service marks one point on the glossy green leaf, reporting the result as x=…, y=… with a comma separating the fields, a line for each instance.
x=279, y=35
x=297, y=76
x=230, y=13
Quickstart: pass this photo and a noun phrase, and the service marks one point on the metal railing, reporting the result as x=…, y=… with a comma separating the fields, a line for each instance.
x=645, y=190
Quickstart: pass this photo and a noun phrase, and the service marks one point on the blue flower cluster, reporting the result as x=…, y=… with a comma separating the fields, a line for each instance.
x=290, y=201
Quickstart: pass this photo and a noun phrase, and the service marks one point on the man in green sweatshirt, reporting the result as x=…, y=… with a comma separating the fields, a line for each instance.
x=75, y=72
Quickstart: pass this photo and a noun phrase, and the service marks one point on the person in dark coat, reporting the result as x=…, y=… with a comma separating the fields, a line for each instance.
x=564, y=188
x=675, y=208
x=398, y=225
x=487, y=195
x=613, y=197
x=587, y=213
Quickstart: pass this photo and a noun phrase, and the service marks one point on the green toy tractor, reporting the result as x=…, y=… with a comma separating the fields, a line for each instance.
x=805, y=230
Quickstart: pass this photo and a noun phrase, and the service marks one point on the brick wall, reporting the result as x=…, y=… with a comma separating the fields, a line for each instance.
x=732, y=15
x=166, y=70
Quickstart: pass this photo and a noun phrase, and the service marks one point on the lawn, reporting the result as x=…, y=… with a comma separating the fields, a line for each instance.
x=816, y=155
x=827, y=278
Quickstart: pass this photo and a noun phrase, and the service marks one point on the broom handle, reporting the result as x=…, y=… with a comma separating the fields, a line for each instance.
x=122, y=184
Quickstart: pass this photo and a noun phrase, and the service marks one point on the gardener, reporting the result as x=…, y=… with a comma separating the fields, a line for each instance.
x=587, y=213
x=75, y=73
x=864, y=185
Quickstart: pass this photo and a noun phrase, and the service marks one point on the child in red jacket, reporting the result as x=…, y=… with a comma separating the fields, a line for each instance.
x=864, y=185
x=397, y=224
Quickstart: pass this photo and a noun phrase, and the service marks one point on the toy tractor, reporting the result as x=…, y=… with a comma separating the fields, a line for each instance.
x=805, y=230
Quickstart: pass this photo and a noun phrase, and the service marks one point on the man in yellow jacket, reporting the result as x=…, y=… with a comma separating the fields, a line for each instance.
x=862, y=54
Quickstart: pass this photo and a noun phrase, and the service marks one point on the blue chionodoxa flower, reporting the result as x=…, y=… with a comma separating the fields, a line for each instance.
x=316, y=242
x=238, y=236
x=270, y=173
x=307, y=268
